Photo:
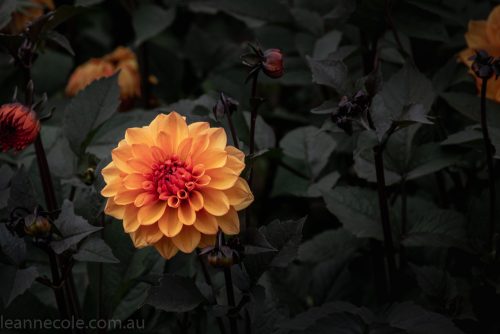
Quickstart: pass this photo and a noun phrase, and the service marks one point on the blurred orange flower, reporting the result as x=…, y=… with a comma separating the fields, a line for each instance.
x=123, y=60
x=484, y=35
x=19, y=127
x=174, y=185
x=27, y=12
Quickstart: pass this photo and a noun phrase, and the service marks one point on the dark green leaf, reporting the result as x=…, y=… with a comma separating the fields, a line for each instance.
x=73, y=228
x=12, y=246
x=94, y=249
x=357, y=210
x=89, y=109
x=149, y=20
x=15, y=281
x=406, y=97
x=310, y=144
x=330, y=72
x=328, y=245
x=175, y=294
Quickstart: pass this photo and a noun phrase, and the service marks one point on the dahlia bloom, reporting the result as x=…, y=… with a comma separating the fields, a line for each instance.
x=19, y=127
x=484, y=35
x=26, y=13
x=174, y=185
x=123, y=60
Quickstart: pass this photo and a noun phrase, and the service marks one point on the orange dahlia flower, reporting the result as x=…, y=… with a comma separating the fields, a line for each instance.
x=174, y=185
x=19, y=126
x=123, y=60
x=484, y=35
x=27, y=12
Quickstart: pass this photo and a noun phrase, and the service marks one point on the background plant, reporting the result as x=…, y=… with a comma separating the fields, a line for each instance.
x=358, y=75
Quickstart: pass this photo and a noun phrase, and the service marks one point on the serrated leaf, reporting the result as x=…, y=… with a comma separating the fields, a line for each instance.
x=357, y=210
x=405, y=89
x=149, y=20
x=22, y=191
x=175, y=294
x=330, y=72
x=95, y=250
x=285, y=237
x=326, y=183
x=73, y=228
x=469, y=106
x=327, y=245
x=15, y=281
x=311, y=145
x=88, y=110
x=61, y=40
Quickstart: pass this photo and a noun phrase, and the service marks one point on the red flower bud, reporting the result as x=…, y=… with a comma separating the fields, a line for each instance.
x=19, y=127
x=273, y=63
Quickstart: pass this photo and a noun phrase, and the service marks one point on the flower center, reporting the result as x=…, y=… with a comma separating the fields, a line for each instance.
x=172, y=178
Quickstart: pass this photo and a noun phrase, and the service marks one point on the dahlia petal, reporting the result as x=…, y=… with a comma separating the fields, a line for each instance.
x=203, y=181
x=150, y=214
x=200, y=143
x=493, y=26
x=207, y=240
x=218, y=138
x=184, y=148
x=144, y=198
x=166, y=248
x=138, y=136
x=165, y=143
x=197, y=127
x=111, y=189
x=134, y=181
x=169, y=224
x=196, y=200
x=126, y=197
x=215, y=201
x=110, y=172
x=230, y=222
x=120, y=156
x=176, y=126
x=130, y=221
x=206, y=223
x=158, y=154
x=188, y=239
x=211, y=158
x=146, y=235
x=222, y=178
x=240, y=196
x=114, y=210
x=235, y=164
x=140, y=165
x=186, y=213
x=143, y=152
x=476, y=36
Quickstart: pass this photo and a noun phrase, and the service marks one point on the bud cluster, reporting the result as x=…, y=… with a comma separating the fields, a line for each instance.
x=349, y=109
x=484, y=65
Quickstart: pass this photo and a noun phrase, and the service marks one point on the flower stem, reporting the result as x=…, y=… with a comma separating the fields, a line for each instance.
x=253, y=116
x=208, y=280
x=233, y=324
x=384, y=215
x=232, y=129
x=489, y=149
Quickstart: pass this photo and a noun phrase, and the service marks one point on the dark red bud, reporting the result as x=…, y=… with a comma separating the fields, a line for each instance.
x=272, y=65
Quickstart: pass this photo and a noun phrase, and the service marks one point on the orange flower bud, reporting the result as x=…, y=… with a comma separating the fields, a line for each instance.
x=19, y=126
x=484, y=35
x=123, y=60
x=273, y=63
x=27, y=13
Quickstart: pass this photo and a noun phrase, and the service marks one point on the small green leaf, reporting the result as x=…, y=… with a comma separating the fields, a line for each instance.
x=330, y=72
